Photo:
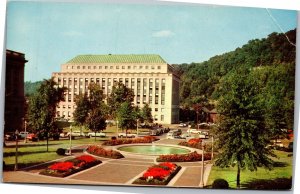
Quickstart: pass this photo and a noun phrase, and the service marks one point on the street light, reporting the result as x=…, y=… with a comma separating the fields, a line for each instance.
x=117, y=128
x=70, y=149
x=202, y=169
x=212, y=147
x=137, y=127
x=25, y=140
x=16, y=156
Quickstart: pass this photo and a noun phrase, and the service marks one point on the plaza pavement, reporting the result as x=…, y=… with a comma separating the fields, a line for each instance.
x=114, y=172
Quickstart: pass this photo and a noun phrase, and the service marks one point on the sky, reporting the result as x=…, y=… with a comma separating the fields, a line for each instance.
x=50, y=34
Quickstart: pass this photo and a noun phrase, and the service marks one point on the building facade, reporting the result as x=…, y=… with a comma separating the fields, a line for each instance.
x=14, y=91
x=153, y=81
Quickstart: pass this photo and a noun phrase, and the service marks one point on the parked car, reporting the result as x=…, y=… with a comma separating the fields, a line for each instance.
x=76, y=134
x=130, y=135
x=32, y=137
x=192, y=131
x=10, y=136
x=23, y=134
x=182, y=125
x=64, y=134
x=154, y=132
x=173, y=134
x=185, y=136
x=97, y=134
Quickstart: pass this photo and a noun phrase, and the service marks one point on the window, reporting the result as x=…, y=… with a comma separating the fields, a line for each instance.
x=162, y=117
x=83, y=67
x=158, y=67
x=156, y=109
x=117, y=67
x=89, y=67
x=106, y=67
x=100, y=67
x=123, y=67
x=152, y=67
x=146, y=67
x=58, y=114
x=78, y=67
x=111, y=67
x=162, y=110
x=134, y=67
x=69, y=114
x=128, y=67
x=141, y=67
x=155, y=117
x=69, y=106
x=68, y=67
x=95, y=67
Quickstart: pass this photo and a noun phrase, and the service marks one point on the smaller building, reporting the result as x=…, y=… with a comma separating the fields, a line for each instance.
x=14, y=91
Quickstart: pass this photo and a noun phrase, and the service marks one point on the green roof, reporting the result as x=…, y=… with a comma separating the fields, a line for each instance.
x=117, y=59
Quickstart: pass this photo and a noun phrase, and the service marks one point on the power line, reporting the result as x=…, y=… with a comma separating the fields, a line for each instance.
x=277, y=24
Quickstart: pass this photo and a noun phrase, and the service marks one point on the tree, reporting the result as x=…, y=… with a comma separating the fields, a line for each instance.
x=120, y=94
x=42, y=107
x=146, y=115
x=82, y=109
x=126, y=116
x=91, y=110
x=96, y=119
x=242, y=137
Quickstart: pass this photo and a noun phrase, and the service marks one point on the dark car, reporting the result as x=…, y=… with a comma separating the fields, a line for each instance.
x=10, y=136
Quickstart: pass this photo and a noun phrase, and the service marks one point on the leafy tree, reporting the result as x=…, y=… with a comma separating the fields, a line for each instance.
x=242, y=137
x=82, y=109
x=91, y=110
x=42, y=107
x=146, y=115
x=96, y=119
x=126, y=116
x=120, y=94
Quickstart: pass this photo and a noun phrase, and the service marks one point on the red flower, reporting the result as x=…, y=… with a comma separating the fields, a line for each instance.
x=86, y=158
x=62, y=166
x=170, y=165
x=156, y=173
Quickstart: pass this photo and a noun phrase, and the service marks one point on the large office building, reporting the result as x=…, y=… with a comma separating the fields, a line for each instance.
x=14, y=91
x=151, y=78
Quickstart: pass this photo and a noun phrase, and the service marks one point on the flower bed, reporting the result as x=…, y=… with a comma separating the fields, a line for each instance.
x=146, y=139
x=193, y=143
x=99, y=151
x=63, y=169
x=160, y=174
x=191, y=157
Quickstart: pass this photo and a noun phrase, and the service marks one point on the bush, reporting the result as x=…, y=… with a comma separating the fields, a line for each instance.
x=61, y=151
x=55, y=136
x=146, y=139
x=220, y=184
x=191, y=157
x=113, y=138
x=99, y=151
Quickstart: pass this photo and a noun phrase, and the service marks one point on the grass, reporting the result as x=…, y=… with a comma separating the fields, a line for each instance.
x=35, y=152
x=283, y=169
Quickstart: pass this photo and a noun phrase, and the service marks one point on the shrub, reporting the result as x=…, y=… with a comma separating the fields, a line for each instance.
x=220, y=184
x=146, y=139
x=113, y=138
x=61, y=151
x=107, y=153
x=191, y=157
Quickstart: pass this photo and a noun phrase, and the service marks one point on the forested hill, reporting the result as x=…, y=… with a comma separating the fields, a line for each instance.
x=202, y=79
x=31, y=87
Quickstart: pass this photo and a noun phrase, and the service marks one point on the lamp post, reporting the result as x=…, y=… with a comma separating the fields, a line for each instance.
x=117, y=128
x=212, y=147
x=202, y=169
x=137, y=127
x=16, y=156
x=70, y=149
x=25, y=140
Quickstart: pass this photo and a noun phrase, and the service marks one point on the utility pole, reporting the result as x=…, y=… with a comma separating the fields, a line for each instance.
x=202, y=169
x=70, y=150
x=16, y=156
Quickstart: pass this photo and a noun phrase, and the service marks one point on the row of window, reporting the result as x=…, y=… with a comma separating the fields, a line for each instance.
x=113, y=67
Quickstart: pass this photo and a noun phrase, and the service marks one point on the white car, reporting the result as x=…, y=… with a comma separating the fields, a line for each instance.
x=76, y=134
x=182, y=125
x=23, y=134
x=192, y=131
x=97, y=134
x=130, y=135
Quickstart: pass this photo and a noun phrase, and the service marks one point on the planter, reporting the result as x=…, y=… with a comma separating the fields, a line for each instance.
x=99, y=151
x=158, y=174
x=63, y=169
x=191, y=157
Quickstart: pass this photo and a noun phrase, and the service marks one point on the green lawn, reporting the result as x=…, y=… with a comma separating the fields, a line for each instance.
x=282, y=169
x=35, y=152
